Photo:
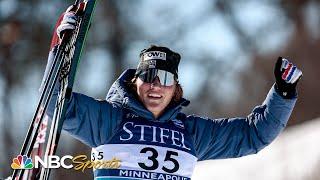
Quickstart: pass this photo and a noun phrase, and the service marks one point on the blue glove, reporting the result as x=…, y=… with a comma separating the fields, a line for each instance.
x=287, y=76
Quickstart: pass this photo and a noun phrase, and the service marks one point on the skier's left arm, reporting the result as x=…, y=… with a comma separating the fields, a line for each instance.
x=236, y=137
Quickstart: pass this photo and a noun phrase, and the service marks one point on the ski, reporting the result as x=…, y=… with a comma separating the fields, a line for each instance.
x=63, y=69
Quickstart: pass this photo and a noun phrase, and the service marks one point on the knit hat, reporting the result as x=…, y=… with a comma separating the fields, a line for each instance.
x=158, y=57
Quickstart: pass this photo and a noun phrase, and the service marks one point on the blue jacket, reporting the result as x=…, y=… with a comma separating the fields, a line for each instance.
x=103, y=122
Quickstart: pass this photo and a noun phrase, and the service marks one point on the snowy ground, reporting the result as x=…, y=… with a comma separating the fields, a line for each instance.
x=294, y=155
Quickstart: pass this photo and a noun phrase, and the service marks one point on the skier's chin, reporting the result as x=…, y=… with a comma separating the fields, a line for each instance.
x=154, y=106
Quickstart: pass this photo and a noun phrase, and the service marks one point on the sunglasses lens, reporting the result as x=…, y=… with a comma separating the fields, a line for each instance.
x=165, y=78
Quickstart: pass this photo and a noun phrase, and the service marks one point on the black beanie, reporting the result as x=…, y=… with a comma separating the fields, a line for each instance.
x=159, y=57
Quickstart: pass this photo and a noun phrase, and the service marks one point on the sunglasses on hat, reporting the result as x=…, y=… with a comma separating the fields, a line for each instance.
x=165, y=78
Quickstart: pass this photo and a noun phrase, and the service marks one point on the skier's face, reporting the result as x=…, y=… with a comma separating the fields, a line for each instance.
x=154, y=96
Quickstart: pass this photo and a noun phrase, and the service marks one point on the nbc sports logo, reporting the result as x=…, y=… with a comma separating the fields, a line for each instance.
x=22, y=162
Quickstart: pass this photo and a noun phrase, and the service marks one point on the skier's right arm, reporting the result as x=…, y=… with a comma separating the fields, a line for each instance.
x=87, y=119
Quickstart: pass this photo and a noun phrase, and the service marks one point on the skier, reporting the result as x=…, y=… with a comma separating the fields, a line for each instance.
x=141, y=124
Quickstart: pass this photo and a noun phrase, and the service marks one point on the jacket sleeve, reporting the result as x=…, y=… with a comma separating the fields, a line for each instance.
x=89, y=120
x=236, y=137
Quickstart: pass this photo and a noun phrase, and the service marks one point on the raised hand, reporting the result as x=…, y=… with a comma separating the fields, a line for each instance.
x=287, y=76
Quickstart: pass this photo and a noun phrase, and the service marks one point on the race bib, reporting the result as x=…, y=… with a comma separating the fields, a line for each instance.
x=144, y=149
x=143, y=162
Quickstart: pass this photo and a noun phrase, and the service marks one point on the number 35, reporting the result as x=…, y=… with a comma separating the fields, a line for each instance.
x=155, y=163
x=99, y=156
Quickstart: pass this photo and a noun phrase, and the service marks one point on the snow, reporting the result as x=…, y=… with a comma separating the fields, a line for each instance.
x=295, y=154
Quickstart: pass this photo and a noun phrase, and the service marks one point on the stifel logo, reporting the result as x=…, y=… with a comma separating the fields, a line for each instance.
x=22, y=162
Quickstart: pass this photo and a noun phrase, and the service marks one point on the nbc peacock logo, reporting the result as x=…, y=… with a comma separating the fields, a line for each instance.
x=22, y=162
